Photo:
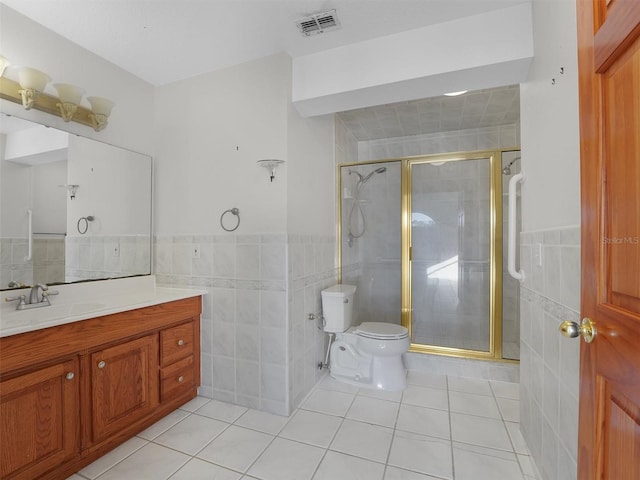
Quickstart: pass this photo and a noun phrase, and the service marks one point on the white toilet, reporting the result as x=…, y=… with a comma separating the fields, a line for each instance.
x=369, y=355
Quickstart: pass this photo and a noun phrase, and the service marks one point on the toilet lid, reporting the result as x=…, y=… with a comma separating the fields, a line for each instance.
x=381, y=331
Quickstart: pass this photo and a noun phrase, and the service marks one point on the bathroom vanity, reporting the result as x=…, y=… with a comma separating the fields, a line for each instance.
x=73, y=391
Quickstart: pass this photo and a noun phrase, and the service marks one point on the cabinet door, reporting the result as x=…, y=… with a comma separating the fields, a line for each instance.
x=124, y=385
x=39, y=414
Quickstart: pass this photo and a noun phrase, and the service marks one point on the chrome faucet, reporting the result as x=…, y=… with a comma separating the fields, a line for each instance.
x=35, y=300
x=33, y=295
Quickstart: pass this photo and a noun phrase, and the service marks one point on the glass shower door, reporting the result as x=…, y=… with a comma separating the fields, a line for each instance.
x=370, y=247
x=452, y=254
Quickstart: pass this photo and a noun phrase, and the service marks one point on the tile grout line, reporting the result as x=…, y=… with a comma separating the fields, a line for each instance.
x=508, y=431
x=453, y=464
x=358, y=393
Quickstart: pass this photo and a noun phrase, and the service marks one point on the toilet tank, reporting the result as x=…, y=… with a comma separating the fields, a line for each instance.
x=337, y=307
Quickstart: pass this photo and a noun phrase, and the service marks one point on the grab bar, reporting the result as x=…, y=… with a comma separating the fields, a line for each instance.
x=511, y=243
x=29, y=234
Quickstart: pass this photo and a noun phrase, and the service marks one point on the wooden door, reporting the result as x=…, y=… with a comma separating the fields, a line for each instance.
x=609, y=81
x=39, y=414
x=124, y=385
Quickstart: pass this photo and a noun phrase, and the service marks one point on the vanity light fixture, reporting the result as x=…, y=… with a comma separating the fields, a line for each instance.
x=32, y=83
x=101, y=109
x=28, y=90
x=70, y=97
x=270, y=164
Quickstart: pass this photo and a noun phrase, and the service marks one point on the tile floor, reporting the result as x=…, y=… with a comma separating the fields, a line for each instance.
x=440, y=427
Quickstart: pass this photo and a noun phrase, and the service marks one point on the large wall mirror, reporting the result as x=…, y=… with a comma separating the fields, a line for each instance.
x=90, y=207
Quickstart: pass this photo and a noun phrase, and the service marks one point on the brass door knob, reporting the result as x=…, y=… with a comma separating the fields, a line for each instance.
x=572, y=329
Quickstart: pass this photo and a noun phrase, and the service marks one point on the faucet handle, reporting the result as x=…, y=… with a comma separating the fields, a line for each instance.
x=48, y=293
x=22, y=299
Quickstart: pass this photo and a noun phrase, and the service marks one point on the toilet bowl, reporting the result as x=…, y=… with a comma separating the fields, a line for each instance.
x=368, y=355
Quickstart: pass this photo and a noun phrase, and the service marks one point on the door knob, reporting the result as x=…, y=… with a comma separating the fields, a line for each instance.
x=572, y=329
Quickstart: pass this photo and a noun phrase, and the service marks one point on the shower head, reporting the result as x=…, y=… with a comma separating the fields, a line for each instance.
x=507, y=170
x=377, y=170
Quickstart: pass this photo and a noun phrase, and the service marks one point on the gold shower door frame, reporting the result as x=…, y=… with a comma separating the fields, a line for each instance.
x=495, y=261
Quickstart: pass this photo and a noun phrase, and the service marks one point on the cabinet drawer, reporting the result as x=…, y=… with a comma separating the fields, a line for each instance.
x=177, y=378
x=176, y=343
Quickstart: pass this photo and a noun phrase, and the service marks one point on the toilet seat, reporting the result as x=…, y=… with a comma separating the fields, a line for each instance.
x=381, y=331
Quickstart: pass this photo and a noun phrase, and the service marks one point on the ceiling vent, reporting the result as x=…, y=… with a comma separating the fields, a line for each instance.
x=318, y=23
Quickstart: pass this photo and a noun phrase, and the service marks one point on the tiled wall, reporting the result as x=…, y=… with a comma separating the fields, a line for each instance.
x=13, y=266
x=505, y=136
x=311, y=269
x=346, y=145
x=463, y=367
x=45, y=266
x=510, y=286
x=549, y=365
x=48, y=259
x=258, y=348
x=110, y=256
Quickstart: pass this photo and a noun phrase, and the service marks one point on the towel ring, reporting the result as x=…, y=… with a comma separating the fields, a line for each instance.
x=233, y=211
x=87, y=219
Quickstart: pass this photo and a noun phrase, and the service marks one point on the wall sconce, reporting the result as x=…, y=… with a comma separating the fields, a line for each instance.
x=32, y=83
x=71, y=190
x=70, y=97
x=270, y=164
x=101, y=108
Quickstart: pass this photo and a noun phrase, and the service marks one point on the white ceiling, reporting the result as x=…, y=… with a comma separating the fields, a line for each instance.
x=162, y=41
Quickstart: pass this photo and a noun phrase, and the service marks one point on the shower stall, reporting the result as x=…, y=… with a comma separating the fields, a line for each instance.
x=421, y=238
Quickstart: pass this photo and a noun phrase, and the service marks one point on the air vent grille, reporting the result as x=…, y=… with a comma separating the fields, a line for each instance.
x=318, y=23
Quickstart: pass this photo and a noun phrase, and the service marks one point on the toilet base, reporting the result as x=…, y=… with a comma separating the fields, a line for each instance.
x=377, y=373
x=398, y=385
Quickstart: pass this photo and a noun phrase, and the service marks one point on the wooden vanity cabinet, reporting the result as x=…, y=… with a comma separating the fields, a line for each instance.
x=39, y=415
x=71, y=393
x=124, y=385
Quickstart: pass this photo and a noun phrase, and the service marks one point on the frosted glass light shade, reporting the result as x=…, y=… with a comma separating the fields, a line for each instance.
x=70, y=97
x=101, y=106
x=69, y=93
x=32, y=79
x=4, y=63
x=32, y=83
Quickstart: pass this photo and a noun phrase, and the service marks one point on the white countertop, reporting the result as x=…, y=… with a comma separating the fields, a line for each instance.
x=81, y=301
